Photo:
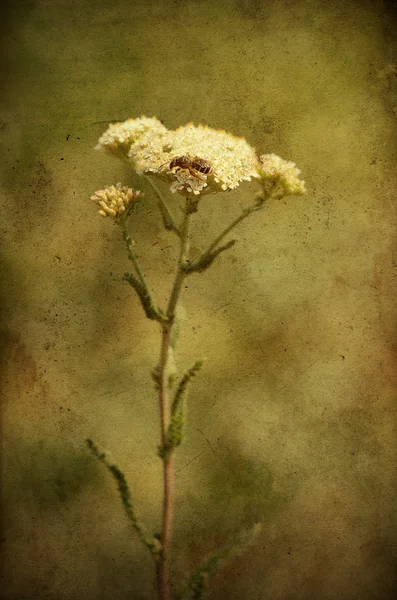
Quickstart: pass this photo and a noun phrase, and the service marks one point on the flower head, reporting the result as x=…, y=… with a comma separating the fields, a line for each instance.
x=201, y=160
x=115, y=200
x=193, y=159
x=280, y=177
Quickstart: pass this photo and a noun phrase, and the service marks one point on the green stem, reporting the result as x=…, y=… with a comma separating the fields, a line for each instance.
x=168, y=219
x=129, y=242
x=165, y=410
x=182, y=262
x=246, y=212
x=139, y=283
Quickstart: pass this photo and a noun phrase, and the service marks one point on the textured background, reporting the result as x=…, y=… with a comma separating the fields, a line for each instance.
x=293, y=420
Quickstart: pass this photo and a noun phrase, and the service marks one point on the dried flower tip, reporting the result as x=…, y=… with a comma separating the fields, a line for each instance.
x=280, y=177
x=115, y=200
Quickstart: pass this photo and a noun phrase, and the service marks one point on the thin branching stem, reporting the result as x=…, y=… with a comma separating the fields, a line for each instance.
x=207, y=254
x=168, y=219
x=151, y=542
x=130, y=243
x=138, y=281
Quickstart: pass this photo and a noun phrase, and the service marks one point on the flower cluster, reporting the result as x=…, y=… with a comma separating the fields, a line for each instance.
x=228, y=160
x=119, y=136
x=115, y=200
x=153, y=149
x=196, y=159
x=280, y=177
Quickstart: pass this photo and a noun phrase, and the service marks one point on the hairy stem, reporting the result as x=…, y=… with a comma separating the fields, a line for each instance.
x=163, y=585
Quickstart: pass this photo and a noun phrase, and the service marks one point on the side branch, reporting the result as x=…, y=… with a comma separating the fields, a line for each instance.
x=146, y=300
x=138, y=282
x=208, y=257
x=174, y=435
x=197, y=583
x=151, y=542
x=168, y=219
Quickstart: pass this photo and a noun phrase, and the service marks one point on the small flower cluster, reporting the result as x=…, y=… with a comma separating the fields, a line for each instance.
x=119, y=136
x=280, y=177
x=115, y=200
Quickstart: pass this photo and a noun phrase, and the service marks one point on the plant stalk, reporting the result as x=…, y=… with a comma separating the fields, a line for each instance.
x=162, y=568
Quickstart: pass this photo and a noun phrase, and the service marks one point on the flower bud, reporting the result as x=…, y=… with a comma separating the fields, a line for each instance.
x=115, y=200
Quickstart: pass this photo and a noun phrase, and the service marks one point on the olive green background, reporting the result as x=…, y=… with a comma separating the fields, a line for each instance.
x=292, y=422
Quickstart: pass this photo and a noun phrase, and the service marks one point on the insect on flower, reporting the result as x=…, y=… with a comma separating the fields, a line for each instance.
x=195, y=165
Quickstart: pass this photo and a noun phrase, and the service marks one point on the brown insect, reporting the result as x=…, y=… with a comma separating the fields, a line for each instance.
x=193, y=164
